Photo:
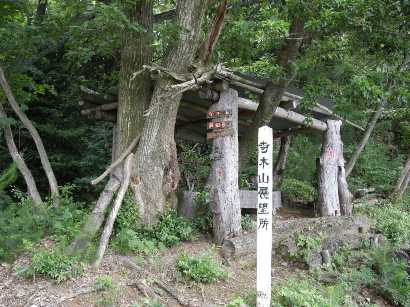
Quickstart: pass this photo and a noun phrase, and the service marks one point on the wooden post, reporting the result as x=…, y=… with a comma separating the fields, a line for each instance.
x=264, y=217
x=223, y=181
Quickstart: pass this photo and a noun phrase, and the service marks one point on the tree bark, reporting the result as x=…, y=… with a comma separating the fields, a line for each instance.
x=345, y=197
x=402, y=182
x=369, y=129
x=134, y=95
x=134, y=89
x=273, y=92
x=224, y=172
x=329, y=170
x=114, y=212
x=156, y=158
x=18, y=159
x=280, y=164
x=96, y=218
x=34, y=134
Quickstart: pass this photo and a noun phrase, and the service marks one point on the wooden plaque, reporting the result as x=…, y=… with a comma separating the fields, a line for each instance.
x=219, y=133
x=219, y=113
x=219, y=125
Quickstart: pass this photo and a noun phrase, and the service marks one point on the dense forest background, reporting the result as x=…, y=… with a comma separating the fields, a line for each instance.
x=356, y=52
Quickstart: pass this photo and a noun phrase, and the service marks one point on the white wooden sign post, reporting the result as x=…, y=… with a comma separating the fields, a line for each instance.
x=264, y=231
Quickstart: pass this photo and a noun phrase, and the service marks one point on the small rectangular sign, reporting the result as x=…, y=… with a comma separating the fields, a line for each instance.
x=219, y=133
x=218, y=114
x=219, y=125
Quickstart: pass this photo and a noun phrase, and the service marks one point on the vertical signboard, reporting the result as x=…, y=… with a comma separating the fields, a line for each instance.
x=264, y=214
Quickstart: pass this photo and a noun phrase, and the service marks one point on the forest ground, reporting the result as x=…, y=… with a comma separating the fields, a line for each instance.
x=135, y=280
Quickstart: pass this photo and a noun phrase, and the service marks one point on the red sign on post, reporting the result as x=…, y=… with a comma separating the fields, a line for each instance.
x=218, y=114
x=219, y=125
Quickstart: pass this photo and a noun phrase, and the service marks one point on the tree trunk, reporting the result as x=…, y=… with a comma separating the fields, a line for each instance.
x=156, y=158
x=403, y=181
x=133, y=97
x=281, y=161
x=224, y=181
x=34, y=134
x=105, y=237
x=18, y=159
x=345, y=197
x=134, y=89
x=273, y=92
x=369, y=129
x=96, y=218
x=329, y=170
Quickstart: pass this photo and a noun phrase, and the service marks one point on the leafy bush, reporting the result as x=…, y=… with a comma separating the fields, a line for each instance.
x=170, y=230
x=298, y=190
x=128, y=240
x=307, y=245
x=237, y=302
x=200, y=269
x=25, y=223
x=53, y=264
x=392, y=222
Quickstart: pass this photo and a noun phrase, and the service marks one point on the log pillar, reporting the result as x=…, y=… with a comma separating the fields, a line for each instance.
x=223, y=181
x=334, y=196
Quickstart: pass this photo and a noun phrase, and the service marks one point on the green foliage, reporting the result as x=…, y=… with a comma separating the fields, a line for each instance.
x=307, y=293
x=392, y=222
x=128, y=240
x=194, y=165
x=25, y=224
x=128, y=216
x=307, y=245
x=104, y=283
x=247, y=222
x=53, y=264
x=201, y=269
x=393, y=279
x=170, y=230
x=375, y=168
x=203, y=221
x=8, y=177
x=297, y=190
x=237, y=302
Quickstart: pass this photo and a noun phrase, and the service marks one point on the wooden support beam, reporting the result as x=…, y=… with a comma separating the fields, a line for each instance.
x=300, y=119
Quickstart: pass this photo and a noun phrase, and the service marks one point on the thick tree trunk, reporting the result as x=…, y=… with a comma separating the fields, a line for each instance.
x=18, y=159
x=403, y=181
x=369, y=129
x=273, y=92
x=224, y=181
x=329, y=170
x=280, y=164
x=134, y=89
x=105, y=237
x=156, y=159
x=134, y=96
x=34, y=134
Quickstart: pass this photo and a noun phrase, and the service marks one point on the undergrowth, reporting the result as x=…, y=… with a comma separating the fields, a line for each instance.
x=201, y=269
